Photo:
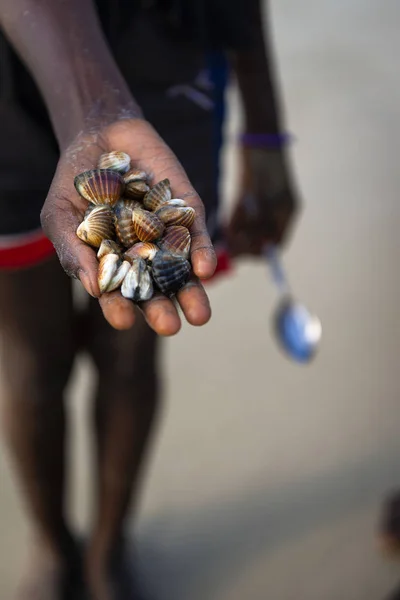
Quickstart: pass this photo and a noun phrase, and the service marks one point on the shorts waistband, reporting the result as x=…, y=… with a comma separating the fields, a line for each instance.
x=24, y=250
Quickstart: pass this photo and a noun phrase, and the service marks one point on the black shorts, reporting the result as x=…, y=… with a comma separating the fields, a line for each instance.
x=168, y=79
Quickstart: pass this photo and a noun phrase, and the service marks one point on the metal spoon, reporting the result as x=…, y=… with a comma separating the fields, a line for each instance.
x=296, y=329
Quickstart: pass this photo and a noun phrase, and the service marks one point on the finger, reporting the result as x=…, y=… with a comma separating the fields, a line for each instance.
x=161, y=315
x=194, y=303
x=118, y=311
x=60, y=220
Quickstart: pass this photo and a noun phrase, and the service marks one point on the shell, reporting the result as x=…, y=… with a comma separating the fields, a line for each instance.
x=117, y=161
x=107, y=269
x=170, y=272
x=136, y=189
x=176, y=202
x=108, y=247
x=97, y=226
x=137, y=284
x=100, y=186
x=124, y=227
x=176, y=240
x=135, y=175
x=148, y=226
x=176, y=215
x=145, y=250
x=119, y=276
x=158, y=195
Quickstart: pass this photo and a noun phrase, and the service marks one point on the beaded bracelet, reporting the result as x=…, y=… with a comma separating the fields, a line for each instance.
x=266, y=140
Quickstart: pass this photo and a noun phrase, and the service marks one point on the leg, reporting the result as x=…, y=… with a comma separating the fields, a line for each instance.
x=125, y=406
x=37, y=355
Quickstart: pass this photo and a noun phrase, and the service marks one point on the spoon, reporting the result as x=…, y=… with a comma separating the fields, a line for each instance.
x=297, y=330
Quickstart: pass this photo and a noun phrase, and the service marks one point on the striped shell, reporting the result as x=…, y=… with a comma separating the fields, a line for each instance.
x=137, y=284
x=176, y=240
x=145, y=250
x=170, y=272
x=97, y=226
x=100, y=186
x=124, y=226
x=148, y=226
x=117, y=161
x=176, y=215
x=136, y=189
x=135, y=175
x=158, y=195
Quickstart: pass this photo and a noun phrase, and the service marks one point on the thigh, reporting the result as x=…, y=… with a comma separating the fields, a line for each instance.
x=36, y=329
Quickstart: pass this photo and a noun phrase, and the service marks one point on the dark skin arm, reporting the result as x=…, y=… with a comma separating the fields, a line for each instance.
x=266, y=178
x=93, y=111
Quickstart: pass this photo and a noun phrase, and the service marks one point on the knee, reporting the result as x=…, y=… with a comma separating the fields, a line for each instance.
x=36, y=375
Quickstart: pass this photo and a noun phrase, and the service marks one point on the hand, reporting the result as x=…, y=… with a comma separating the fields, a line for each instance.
x=64, y=210
x=266, y=205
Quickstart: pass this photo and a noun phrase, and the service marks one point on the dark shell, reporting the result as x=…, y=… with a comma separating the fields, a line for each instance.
x=100, y=186
x=158, y=195
x=170, y=272
x=124, y=226
x=176, y=240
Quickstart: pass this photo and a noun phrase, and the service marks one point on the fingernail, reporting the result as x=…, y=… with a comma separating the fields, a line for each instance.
x=87, y=283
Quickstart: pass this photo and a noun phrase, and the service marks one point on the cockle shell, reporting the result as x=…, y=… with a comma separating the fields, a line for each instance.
x=176, y=215
x=108, y=247
x=100, y=186
x=137, y=284
x=117, y=161
x=148, y=226
x=158, y=195
x=124, y=226
x=170, y=272
x=135, y=175
x=97, y=226
x=176, y=202
x=119, y=276
x=136, y=185
x=108, y=266
x=136, y=189
x=176, y=240
x=145, y=250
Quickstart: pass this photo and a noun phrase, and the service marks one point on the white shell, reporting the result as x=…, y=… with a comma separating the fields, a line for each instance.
x=107, y=268
x=119, y=276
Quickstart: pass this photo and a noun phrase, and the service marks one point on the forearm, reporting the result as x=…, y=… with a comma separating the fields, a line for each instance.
x=255, y=75
x=62, y=45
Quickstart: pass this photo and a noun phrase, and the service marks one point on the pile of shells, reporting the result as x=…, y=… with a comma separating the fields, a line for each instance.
x=141, y=232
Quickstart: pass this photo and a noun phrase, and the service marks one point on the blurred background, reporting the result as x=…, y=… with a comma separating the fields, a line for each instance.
x=267, y=478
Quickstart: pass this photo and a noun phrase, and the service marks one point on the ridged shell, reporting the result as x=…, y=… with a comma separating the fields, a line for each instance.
x=136, y=189
x=107, y=268
x=176, y=202
x=176, y=215
x=170, y=272
x=137, y=284
x=158, y=195
x=135, y=175
x=117, y=161
x=100, y=186
x=119, y=276
x=148, y=226
x=124, y=226
x=97, y=226
x=176, y=240
x=145, y=250
x=108, y=247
